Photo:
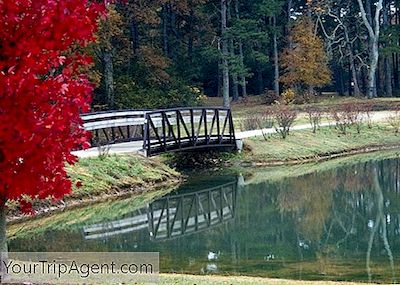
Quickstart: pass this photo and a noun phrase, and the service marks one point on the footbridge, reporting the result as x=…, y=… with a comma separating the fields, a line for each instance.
x=152, y=132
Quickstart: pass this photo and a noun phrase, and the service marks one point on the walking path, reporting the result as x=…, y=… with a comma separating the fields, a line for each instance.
x=135, y=147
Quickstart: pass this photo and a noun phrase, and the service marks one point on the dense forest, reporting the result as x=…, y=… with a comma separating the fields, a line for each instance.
x=165, y=53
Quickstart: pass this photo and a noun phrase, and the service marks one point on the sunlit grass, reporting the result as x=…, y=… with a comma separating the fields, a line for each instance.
x=100, y=175
x=302, y=145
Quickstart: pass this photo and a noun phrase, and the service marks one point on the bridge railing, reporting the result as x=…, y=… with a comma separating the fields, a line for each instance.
x=186, y=129
x=115, y=126
x=163, y=130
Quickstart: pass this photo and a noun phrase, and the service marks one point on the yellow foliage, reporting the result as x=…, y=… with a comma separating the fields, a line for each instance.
x=305, y=62
x=288, y=96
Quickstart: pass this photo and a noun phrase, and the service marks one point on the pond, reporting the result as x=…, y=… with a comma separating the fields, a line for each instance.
x=340, y=223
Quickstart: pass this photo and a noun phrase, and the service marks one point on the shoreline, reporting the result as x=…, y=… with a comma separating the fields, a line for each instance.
x=122, y=178
x=320, y=157
x=81, y=203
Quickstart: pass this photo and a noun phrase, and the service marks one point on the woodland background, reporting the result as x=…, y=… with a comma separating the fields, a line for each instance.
x=160, y=53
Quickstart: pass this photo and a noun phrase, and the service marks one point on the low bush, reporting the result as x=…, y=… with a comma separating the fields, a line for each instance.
x=271, y=97
x=288, y=96
x=314, y=116
x=347, y=115
x=394, y=121
x=284, y=118
x=254, y=122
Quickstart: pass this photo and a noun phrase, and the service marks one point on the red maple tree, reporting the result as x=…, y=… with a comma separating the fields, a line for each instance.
x=42, y=93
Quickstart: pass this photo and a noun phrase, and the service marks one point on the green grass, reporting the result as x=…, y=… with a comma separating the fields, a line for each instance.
x=304, y=145
x=102, y=175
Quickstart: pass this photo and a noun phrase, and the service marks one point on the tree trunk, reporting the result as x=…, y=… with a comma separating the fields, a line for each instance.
x=135, y=35
x=387, y=64
x=276, y=58
x=3, y=223
x=353, y=69
x=372, y=92
x=388, y=77
x=235, y=85
x=190, y=23
x=373, y=27
x=225, y=67
x=241, y=56
x=165, y=28
x=3, y=243
x=356, y=87
x=109, y=78
x=260, y=79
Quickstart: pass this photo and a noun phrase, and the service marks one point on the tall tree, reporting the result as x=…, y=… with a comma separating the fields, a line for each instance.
x=225, y=54
x=110, y=31
x=271, y=10
x=243, y=82
x=305, y=64
x=42, y=93
x=373, y=26
x=338, y=30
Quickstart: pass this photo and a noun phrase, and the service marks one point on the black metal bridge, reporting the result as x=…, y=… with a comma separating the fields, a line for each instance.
x=175, y=215
x=167, y=130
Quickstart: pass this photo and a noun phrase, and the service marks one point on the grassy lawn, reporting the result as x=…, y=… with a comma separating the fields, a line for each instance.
x=304, y=145
x=101, y=175
x=172, y=279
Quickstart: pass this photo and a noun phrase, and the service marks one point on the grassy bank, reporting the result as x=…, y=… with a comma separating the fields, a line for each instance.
x=304, y=146
x=107, y=178
x=172, y=279
x=111, y=174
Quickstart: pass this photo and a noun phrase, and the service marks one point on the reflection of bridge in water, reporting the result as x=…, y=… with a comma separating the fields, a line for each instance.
x=174, y=215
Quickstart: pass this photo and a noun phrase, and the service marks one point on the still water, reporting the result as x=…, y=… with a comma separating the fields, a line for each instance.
x=339, y=224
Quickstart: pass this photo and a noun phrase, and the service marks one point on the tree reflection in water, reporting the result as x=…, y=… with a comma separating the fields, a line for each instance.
x=338, y=224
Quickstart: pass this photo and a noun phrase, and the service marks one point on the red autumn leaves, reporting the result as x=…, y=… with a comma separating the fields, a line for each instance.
x=42, y=93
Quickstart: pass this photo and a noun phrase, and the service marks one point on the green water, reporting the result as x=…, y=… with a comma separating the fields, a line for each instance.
x=342, y=223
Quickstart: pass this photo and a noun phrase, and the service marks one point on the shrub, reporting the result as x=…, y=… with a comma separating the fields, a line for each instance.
x=355, y=115
x=288, y=96
x=284, y=118
x=367, y=108
x=394, y=121
x=254, y=122
x=314, y=116
x=347, y=115
x=340, y=119
x=309, y=96
x=271, y=97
